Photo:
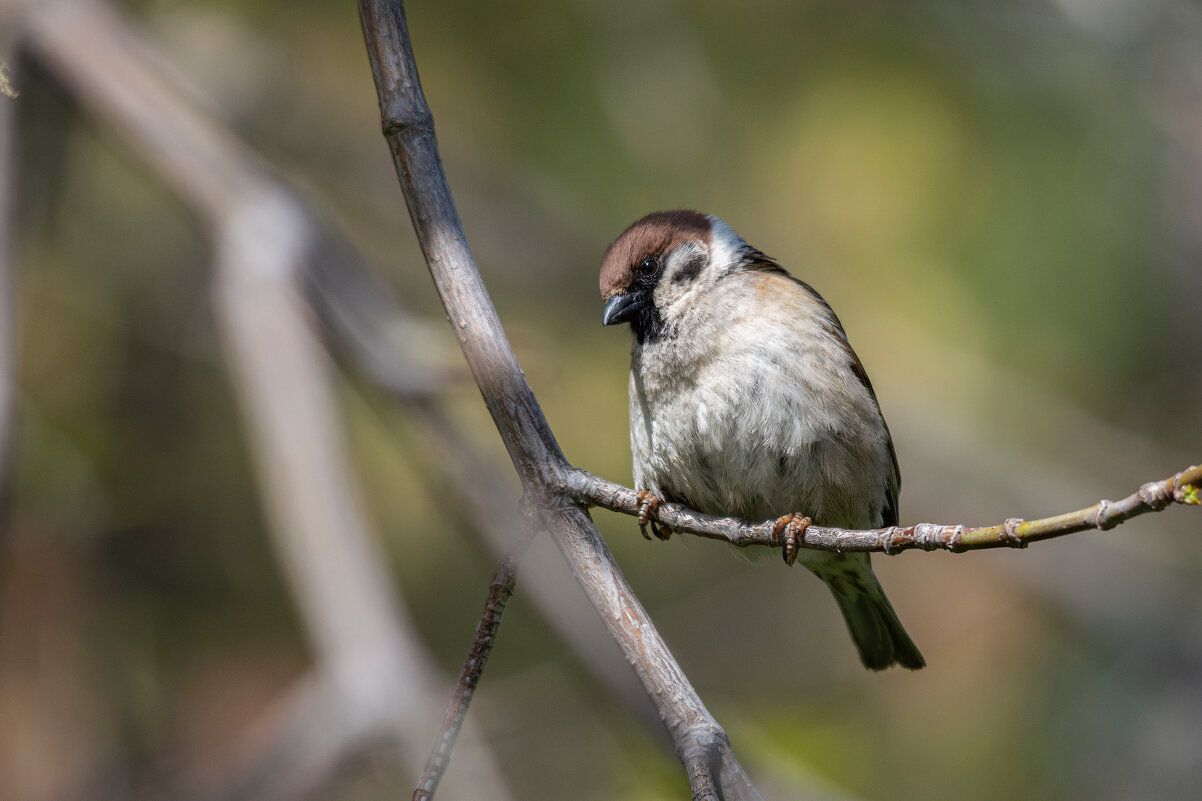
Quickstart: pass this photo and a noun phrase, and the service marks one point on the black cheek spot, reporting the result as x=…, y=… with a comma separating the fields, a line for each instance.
x=690, y=269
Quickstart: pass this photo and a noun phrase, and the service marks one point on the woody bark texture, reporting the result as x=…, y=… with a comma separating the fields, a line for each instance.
x=1184, y=487
x=713, y=771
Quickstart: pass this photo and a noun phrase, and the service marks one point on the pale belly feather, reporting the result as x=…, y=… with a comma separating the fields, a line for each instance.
x=749, y=435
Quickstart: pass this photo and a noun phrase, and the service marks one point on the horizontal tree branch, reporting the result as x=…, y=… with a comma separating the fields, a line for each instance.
x=1154, y=496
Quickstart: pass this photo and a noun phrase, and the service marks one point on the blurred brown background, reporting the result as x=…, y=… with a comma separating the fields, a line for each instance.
x=1002, y=201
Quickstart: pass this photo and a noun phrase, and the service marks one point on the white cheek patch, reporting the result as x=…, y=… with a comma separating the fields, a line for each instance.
x=693, y=264
x=682, y=268
x=726, y=247
x=686, y=263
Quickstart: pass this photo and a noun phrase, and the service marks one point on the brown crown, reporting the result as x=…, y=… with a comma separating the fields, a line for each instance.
x=651, y=236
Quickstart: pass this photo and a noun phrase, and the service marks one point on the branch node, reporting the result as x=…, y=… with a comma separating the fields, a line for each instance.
x=889, y=538
x=955, y=542
x=929, y=536
x=1155, y=495
x=401, y=118
x=534, y=511
x=1010, y=530
x=1102, y=519
x=1184, y=492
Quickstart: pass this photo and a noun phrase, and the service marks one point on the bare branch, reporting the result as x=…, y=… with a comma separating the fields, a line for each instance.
x=1013, y=533
x=499, y=592
x=408, y=125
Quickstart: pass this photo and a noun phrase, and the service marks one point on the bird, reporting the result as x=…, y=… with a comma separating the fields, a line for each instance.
x=747, y=400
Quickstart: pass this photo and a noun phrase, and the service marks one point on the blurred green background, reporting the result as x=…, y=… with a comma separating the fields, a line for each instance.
x=1003, y=202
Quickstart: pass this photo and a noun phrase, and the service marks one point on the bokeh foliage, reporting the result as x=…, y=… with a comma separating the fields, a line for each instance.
x=990, y=197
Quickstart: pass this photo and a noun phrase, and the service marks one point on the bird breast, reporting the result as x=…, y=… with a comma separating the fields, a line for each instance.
x=752, y=412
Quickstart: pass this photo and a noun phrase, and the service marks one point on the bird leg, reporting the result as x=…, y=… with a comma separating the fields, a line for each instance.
x=788, y=531
x=648, y=504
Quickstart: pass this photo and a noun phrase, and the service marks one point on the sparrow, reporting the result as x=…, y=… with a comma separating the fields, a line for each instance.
x=747, y=400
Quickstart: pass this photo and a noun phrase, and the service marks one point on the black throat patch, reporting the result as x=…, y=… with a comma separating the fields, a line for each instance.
x=648, y=325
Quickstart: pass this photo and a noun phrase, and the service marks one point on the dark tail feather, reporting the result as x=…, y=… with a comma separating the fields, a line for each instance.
x=875, y=629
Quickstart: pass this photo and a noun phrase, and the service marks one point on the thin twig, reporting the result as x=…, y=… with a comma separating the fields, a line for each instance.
x=407, y=123
x=1182, y=488
x=499, y=593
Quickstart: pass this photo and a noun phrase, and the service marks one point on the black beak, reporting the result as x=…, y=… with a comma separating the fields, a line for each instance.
x=622, y=308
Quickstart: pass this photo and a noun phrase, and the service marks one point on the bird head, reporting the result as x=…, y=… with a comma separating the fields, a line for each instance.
x=658, y=261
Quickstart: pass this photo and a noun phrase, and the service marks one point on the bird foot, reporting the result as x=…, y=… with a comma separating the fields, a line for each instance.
x=648, y=504
x=788, y=531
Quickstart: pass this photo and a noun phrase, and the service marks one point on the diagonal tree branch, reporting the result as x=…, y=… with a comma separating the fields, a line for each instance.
x=360, y=312
x=702, y=745
x=1013, y=533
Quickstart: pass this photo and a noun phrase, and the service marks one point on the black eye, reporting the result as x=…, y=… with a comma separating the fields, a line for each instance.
x=648, y=266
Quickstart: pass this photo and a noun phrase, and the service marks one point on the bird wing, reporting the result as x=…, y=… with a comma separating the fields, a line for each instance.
x=756, y=260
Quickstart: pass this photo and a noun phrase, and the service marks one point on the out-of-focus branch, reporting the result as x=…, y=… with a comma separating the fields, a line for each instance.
x=1184, y=487
x=702, y=745
x=293, y=750
x=370, y=661
x=8, y=303
x=360, y=314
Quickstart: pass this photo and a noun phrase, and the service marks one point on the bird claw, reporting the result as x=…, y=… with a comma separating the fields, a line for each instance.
x=648, y=505
x=788, y=531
